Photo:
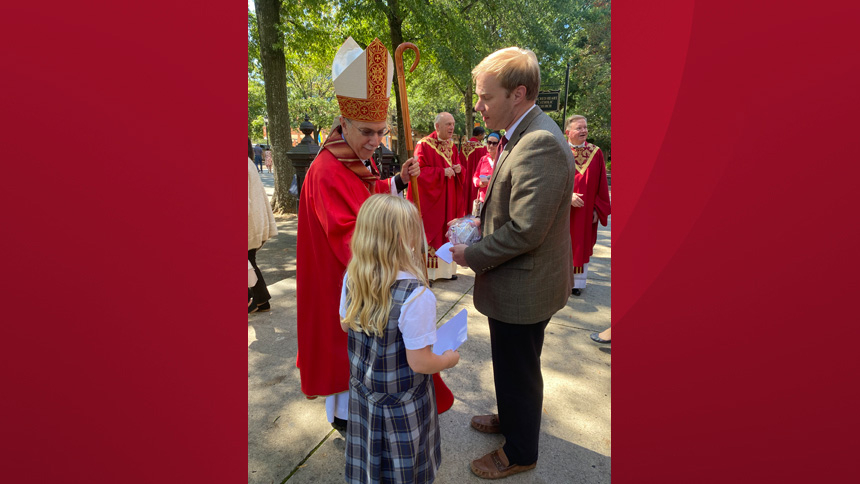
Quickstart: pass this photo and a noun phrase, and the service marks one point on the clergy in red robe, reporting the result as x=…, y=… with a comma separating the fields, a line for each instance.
x=590, y=200
x=473, y=151
x=340, y=179
x=440, y=191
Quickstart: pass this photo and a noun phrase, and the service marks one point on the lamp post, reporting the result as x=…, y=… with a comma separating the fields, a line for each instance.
x=303, y=153
x=266, y=130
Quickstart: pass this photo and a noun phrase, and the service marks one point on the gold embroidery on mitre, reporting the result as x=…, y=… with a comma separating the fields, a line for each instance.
x=583, y=156
x=370, y=110
x=445, y=148
x=377, y=70
x=375, y=107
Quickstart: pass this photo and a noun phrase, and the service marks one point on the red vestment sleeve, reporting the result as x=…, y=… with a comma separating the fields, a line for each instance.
x=601, y=197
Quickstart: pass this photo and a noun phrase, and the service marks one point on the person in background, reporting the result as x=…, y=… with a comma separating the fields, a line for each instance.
x=473, y=151
x=267, y=155
x=589, y=201
x=258, y=157
x=261, y=227
x=440, y=191
x=604, y=337
x=484, y=171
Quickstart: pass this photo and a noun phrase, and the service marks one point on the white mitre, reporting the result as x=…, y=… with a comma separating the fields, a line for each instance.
x=362, y=80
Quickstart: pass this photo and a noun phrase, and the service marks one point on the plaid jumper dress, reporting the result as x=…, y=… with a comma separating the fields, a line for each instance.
x=392, y=434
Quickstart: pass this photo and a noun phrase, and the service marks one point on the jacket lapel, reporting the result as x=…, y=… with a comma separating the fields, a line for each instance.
x=509, y=146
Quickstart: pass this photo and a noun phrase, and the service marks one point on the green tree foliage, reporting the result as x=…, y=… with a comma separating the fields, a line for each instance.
x=312, y=94
x=591, y=70
x=256, y=109
x=453, y=36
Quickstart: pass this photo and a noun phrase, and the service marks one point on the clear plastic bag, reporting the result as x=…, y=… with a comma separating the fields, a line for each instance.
x=464, y=230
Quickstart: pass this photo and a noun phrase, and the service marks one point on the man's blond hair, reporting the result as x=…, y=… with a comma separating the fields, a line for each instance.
x=575, y=117
x=513, y=67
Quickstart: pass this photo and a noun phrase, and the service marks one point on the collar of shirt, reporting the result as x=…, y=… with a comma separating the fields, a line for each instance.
x=509, y=132
x=576, y=146
x=404, y=275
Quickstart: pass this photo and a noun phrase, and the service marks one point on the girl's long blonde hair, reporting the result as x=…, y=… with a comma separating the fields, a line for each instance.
x=388, y=237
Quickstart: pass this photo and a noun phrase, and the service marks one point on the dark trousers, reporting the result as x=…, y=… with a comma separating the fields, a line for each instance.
x=519, y=386
x=259, y=292
x=259, y=163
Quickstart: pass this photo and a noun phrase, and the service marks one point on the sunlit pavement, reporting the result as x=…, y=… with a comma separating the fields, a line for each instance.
x=289, y=439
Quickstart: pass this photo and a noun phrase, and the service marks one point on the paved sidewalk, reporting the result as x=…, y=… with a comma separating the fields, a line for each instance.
x=289, y=439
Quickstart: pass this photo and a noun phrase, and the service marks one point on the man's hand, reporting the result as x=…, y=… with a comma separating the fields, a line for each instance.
x=410, y=168
x=594, y=219
x=576, y=200
x=449, y=172
x=457, y=168
x=458, y=253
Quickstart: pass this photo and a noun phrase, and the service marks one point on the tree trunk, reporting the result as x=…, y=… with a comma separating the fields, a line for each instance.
x=275, y=77
x=395, y=24
x=469, y=110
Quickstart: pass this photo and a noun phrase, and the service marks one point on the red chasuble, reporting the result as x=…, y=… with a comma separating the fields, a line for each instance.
x=590, y=181
x=336, y=185
x=441, y=197
x=473, y=151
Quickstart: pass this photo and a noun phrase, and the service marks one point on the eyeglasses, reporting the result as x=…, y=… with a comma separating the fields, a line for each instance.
x=492, y=143
x=367, y=133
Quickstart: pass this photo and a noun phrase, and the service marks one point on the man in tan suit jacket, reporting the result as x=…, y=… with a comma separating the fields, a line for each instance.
x=523, y=264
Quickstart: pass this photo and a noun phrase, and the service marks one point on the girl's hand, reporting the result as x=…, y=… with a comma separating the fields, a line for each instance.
x=453, y=358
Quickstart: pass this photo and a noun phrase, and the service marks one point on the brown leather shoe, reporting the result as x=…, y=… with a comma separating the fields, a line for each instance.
x=489, y=424
x=495, y=465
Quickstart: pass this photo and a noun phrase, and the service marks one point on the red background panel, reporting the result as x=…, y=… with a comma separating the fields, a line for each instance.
x=123, y=356
x=734, y=241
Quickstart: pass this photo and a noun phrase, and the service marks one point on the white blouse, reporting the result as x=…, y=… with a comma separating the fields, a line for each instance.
x=417, y=320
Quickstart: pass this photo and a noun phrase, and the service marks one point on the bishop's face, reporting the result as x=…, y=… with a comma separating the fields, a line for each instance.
x=362, y=136
x=577, y=132
x=495, y=103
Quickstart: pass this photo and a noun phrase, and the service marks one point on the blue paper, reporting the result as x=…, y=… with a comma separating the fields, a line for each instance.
x=451, y=334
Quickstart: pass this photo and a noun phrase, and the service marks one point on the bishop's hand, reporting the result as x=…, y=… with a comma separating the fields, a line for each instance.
x=411, y=168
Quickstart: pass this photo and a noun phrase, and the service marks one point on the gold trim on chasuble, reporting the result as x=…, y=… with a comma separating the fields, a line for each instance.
x=583, y=156
x=445, y=148
x=375, y=107
x=432, y=258
x=470, y=147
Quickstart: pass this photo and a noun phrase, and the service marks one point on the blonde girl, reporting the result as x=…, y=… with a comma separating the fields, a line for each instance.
x=390, y=315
